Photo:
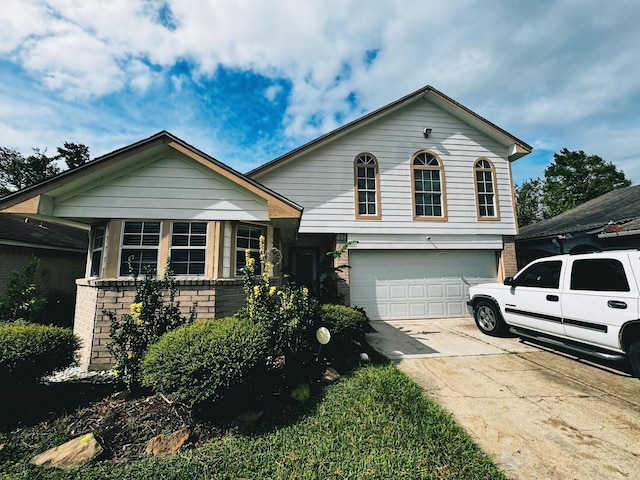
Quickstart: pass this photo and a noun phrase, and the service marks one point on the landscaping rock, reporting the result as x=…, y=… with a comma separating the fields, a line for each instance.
x=249, y=416
x=163, y=446
x=70, y=455
x=330, y=375
x=301, y=393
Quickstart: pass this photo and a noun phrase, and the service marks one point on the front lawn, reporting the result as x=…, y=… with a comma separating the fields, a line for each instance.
x=375, y=424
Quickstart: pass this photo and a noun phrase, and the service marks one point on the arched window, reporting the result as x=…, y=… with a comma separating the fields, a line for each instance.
x=485, y=190
x=367, y=197
x=428, y=187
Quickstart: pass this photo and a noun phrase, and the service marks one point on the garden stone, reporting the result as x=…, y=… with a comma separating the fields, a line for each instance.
x=70, y=455
x=163, y=446
x=330, y=375
x=301, y=393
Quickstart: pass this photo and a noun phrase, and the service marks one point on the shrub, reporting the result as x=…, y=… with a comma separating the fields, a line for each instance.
x=28, y=351
x=200, y=362
x=151, y=315
x=344, y=322
x=21, y=298
x=287, y=313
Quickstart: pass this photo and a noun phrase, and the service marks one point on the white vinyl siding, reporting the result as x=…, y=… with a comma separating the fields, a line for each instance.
x=394, y=139
x=418, y=284
x=170, y=187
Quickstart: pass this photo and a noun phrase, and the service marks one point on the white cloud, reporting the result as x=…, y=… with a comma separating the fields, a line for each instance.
x=545, y=71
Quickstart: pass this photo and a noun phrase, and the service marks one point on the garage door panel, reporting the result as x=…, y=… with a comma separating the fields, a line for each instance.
x=417, y=291
x=403, y=284
x=398, y=292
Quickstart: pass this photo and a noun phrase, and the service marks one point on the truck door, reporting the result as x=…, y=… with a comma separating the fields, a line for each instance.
x=533, y=301
x=600, y=297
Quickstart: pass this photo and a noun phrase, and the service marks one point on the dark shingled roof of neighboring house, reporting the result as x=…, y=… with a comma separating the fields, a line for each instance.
x=22, y=231
x=618, y=210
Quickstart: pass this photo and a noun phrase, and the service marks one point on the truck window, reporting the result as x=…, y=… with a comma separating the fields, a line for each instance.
x=599, y=274
x=542, y=275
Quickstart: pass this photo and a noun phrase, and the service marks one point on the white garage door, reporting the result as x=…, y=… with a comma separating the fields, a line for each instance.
x=414, y=284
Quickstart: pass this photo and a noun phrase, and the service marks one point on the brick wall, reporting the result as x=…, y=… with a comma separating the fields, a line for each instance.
x=214, y=298
x=343, y=276
x=55, y=277
x=508, y=258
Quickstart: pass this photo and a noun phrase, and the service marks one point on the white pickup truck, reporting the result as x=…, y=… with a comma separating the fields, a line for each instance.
x=586, y=302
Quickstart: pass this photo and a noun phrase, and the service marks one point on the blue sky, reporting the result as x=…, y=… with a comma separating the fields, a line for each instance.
x=247, y=81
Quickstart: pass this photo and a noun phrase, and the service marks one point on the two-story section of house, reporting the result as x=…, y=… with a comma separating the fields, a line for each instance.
x=423, y=187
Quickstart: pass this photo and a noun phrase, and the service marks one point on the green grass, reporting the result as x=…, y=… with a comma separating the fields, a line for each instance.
x=376, y=424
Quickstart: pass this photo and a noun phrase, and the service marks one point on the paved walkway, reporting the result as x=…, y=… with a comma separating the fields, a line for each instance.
x=541, y=414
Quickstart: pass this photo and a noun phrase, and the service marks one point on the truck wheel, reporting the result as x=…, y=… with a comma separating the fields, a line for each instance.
x=634, y=358
x=489, y=320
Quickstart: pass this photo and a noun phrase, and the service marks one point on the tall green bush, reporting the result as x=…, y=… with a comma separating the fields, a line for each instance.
x=29, y=352
x=21, y=299
x=200, y=362
x=153, y=313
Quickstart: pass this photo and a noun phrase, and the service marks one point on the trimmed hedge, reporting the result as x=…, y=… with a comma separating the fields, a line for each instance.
x=344, y=322
x=29, y=352
x=200, y=362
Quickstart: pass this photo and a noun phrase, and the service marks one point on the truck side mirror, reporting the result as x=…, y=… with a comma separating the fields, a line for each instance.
x=509, y=281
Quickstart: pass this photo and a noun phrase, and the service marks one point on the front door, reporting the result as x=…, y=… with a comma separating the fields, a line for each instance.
x=305, y=265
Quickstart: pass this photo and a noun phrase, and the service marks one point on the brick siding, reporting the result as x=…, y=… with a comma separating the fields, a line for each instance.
x=214, y=298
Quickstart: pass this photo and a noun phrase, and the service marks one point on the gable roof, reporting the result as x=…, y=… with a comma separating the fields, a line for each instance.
x=32, y=200
x=620, y=207
x=517, y=148
x=24, y=232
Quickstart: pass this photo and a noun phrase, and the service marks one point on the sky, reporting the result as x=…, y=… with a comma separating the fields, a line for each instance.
x=249, y=80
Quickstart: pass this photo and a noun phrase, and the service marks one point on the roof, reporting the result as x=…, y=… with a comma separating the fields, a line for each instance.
x=518, y=147
x=618, y=210
x=30, y=201
x=21, y=231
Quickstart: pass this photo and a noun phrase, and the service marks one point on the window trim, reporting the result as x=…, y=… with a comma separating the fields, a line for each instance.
x=234, y=271
x=102, y=249
x=492, y=169
x=364, y=216
x=158, y=247
x=443, y=196
x=205, y=247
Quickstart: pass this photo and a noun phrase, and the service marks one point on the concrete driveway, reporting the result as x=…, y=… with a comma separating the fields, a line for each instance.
x=539, y=413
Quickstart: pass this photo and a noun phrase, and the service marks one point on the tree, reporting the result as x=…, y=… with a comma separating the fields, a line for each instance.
x=571, y=179
x=18, y=172
x=74, y=154
x=574, y=178
x=530, y=206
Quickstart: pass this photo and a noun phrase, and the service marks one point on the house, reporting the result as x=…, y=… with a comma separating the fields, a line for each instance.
x=63, y=251
x=157, y=199
x=422, y=186
x=609, y=221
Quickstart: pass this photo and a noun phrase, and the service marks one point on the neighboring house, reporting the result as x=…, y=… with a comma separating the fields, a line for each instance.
x=609, y=221
x=154, y=200
x=63, y=251
x=424, y=186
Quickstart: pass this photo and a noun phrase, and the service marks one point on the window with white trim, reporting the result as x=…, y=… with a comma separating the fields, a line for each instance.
x=366, y=183
x=97, y=251
x=248, y=238
x=485, y=189
x=140, y=246
x=188, y=251
x=427, y=186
